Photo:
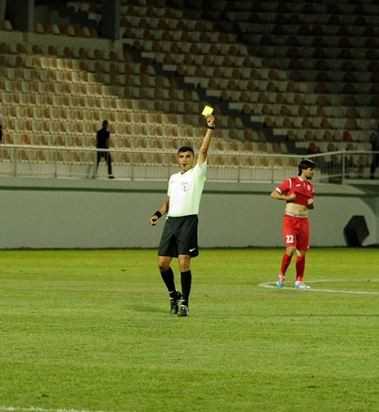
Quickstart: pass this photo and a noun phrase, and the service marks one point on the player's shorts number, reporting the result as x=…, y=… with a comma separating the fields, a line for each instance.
x=290, y=239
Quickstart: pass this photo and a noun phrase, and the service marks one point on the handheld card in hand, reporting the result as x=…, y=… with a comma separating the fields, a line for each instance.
x=207, y=111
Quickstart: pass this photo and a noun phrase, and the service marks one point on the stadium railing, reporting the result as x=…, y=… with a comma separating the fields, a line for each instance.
x=130, y=164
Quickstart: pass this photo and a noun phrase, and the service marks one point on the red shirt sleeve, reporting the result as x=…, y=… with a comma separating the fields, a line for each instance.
x=284, y=187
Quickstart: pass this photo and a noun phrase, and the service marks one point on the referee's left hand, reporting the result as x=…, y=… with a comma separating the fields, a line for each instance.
x=154, y=220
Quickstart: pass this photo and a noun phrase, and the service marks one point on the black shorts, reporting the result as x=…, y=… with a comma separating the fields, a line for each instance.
x=179, y=237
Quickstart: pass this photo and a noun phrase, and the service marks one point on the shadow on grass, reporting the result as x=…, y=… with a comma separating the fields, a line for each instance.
x=145, y=308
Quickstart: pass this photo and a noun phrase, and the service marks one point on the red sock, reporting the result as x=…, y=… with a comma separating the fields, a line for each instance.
x=300, y=265
x=286, y=260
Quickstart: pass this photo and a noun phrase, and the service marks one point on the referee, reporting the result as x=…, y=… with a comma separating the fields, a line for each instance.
x=179, y=237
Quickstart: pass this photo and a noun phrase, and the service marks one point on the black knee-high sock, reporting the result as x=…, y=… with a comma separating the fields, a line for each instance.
x=168, y=279
x=186, y=279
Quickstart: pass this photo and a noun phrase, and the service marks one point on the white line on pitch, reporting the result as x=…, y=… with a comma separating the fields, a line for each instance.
x=37, y=409
x=270, y=285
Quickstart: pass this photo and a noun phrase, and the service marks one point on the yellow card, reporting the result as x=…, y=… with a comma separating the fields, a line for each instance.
x=207, y=111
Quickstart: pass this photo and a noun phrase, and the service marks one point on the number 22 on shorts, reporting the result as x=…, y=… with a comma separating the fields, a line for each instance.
x=290, y=239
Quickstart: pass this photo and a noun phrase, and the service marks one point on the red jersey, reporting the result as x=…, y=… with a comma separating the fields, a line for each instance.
x=303, y=189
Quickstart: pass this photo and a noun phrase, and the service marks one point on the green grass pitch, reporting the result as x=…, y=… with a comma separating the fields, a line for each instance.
x=90, y=330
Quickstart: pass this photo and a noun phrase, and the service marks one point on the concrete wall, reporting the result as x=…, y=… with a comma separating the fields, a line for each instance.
x=54, y=213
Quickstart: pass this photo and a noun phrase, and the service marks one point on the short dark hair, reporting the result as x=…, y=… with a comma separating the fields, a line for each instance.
x=305, y=164
x=105, y=123
x=185, y=149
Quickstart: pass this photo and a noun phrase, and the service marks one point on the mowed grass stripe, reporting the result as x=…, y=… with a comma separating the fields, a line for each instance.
x=38, y=409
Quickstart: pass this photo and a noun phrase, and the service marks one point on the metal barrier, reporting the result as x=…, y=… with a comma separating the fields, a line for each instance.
x=153, y=165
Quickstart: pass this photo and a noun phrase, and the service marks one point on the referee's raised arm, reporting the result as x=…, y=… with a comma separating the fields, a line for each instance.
x=203, y=151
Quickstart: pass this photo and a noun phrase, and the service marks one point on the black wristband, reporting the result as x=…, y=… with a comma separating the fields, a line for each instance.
x=158, y=214
x=211, y=127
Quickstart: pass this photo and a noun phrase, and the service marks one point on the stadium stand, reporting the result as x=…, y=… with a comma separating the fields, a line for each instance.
x=292, y=74
x=249, y=74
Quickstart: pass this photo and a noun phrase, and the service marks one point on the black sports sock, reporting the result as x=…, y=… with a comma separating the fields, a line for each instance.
x=168, y=279
x=186, y=279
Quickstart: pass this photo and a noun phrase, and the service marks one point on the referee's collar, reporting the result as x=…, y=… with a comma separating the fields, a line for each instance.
x=182, y=172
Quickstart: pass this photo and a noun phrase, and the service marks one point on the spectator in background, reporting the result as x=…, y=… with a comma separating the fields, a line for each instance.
x=350, y=160
x=332, y=162
x=313, y=148
x=25, y=139
x=374, y=140
x=3, y=6
x=346, y=136
x=102, y=142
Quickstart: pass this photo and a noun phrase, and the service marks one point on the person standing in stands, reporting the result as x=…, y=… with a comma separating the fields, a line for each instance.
x=1, y=129
x=179, y=237
x=102, y=142
x=374, y=140
x=298, y=193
